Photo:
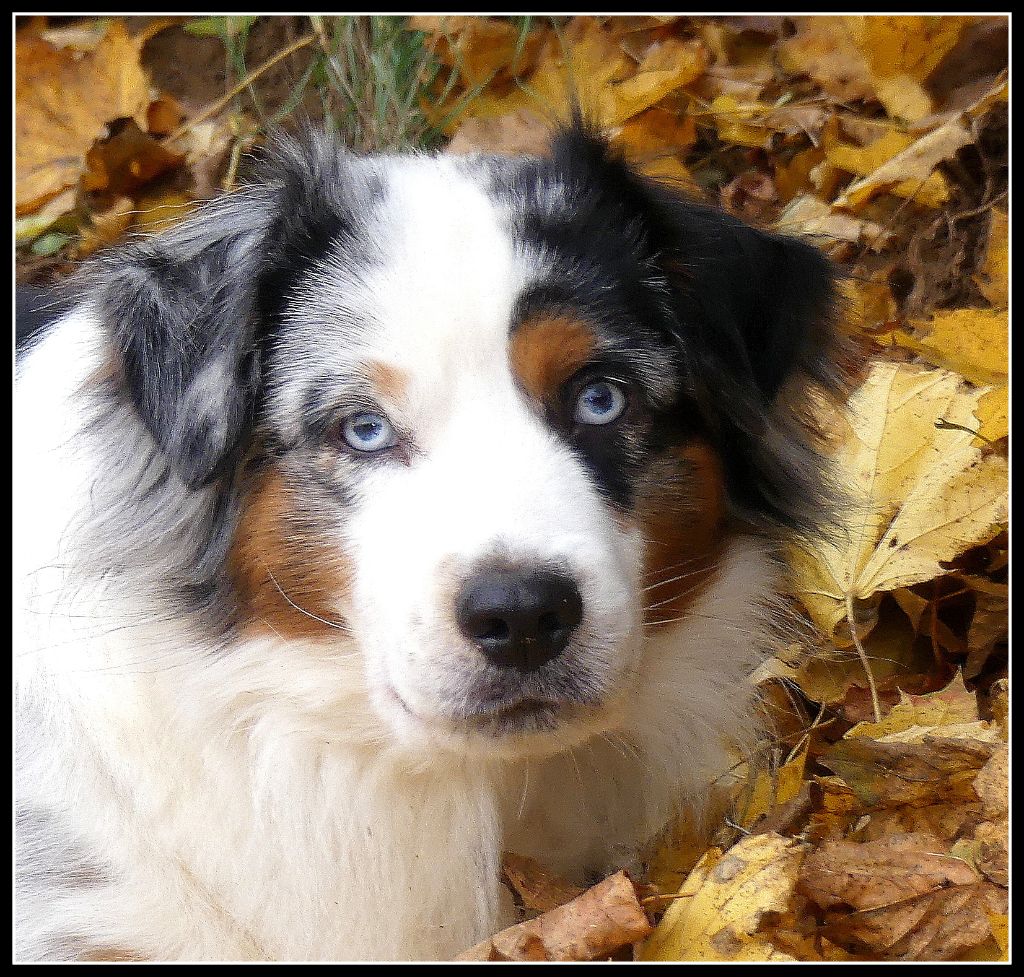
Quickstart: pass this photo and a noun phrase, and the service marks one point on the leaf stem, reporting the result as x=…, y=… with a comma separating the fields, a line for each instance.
x=863, y=659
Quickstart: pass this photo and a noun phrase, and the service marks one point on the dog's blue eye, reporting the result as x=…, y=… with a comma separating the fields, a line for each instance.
x=368, y=432
x=600, y=402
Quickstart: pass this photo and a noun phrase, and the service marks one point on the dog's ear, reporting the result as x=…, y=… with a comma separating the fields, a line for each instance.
x=752, y=313
x=189, y=310
x=757, y=306
x=181, y=312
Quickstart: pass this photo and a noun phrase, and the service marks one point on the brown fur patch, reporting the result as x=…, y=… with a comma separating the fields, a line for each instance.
x=390, y=382
x=274, y=553
x=681, y=513
x=545, y=352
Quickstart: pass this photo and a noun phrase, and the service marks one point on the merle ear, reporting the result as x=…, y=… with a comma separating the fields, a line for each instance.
x=759, y=307
x=180, y=308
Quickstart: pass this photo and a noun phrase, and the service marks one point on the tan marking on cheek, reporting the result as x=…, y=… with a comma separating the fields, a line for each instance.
x=273, y=550
x=681, y=513
x=545, y=352
x=390, y=382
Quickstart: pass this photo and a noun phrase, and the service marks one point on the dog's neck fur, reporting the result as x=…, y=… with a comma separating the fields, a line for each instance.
x=212, y=820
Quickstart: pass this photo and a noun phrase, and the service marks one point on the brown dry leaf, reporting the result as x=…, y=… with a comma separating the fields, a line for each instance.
x=823, y=48
x=910, y=900
x=917, y=495
x=164, y=115
x=107, y=226
x=838, y=810
x=869, y=875
x=911, y=171
x=936, y=770
x=989, y=625
x=591, y=927
x=65, y=100
x=722, y=904
x=992, y=784
x=127, y=161
x=538, y=888
x=521, y=132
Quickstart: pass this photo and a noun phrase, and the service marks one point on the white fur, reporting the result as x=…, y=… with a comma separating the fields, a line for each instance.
x=273, y=800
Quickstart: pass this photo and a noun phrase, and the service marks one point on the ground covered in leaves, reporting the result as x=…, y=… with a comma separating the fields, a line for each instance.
x=874, y=824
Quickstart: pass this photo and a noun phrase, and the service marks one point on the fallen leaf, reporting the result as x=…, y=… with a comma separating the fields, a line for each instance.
x=901, y=52
x=921, y=715
x=823, y=49
x=916, y=495
x=936, y=770
x=538, y=888
x=972, y=342
x=721, y=905
x=910, y=900
x=521, y=132
x=811, y=217
x=107, y=226
x=911, y=171
x=591, y=927
x=992, y=276
x=55, y=131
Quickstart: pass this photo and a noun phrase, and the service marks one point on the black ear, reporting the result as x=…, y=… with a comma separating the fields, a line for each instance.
x=758, y=306
x=180, y=308
x=752, y=313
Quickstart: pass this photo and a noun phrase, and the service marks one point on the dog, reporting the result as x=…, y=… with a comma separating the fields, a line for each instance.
x=390, y=513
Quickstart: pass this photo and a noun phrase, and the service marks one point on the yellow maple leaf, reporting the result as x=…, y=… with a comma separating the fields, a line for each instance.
x=918, y=495
x=721, y=904
x=973, y=342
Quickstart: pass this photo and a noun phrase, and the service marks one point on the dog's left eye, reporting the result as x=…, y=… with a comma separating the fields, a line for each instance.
x=368, y=432
x=600, y=402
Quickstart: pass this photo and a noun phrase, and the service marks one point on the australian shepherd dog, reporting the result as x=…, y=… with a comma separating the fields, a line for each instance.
x=390, y=513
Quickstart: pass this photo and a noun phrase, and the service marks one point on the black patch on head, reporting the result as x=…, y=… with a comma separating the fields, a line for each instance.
x=195, y=311
x=741, y=310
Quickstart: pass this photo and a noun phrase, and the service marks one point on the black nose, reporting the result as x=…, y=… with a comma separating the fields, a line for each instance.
x=519, y=619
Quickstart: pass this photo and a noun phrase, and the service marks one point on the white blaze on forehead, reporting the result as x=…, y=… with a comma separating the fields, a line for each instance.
x=444, y=293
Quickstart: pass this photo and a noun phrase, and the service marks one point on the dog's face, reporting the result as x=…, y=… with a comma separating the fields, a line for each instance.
x=485, y=418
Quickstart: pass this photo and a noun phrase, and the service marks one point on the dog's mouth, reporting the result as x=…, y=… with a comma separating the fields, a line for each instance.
x=520, y=716
x=527, y=715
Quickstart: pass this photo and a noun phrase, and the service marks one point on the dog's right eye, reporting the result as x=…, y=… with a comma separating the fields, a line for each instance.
x=368, y=432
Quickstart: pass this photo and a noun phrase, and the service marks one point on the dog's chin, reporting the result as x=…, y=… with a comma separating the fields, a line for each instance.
x=524, y=727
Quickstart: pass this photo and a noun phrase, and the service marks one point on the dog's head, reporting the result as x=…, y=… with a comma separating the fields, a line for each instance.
x=486, y=418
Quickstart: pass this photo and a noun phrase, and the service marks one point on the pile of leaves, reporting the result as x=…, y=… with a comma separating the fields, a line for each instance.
x=874, y=823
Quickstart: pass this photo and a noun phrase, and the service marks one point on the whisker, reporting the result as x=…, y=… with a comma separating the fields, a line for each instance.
x=302, y=610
